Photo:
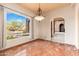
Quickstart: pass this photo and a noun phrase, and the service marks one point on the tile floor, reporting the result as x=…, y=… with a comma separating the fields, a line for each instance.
x=41, y=48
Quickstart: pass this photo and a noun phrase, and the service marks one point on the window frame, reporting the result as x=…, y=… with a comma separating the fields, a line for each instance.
x=6, y=10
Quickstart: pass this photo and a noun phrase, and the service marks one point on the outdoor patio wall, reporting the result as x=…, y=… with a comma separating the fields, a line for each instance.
x=68, y=13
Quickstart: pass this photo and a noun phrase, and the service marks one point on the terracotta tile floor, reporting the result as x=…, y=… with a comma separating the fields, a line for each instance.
x=41, y=48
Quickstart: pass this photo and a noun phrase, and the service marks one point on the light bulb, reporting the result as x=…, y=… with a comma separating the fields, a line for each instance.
x=39, y=18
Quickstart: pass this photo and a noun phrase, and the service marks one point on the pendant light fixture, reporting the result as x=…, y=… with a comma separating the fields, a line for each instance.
x=39, y=16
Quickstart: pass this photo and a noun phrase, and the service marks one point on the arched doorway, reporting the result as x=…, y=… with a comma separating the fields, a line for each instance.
x=61, y=28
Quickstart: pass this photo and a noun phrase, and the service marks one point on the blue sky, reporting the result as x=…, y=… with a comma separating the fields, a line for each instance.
x=15, y=17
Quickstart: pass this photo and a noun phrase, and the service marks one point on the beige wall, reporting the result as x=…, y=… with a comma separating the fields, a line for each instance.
x=77, y=24
x=36, y=29
x=68, y=13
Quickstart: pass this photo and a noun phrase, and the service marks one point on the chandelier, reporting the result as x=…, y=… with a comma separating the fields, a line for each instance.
x=39, y=16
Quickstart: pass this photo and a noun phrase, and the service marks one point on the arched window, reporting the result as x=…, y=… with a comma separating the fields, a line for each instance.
x=61, y=28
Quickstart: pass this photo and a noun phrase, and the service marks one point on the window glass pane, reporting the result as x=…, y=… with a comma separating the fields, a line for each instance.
x=17, y=26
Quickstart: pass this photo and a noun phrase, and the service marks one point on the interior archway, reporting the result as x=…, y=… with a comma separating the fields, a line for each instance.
x=61, y=28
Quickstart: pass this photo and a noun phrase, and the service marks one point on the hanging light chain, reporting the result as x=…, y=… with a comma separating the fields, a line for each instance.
x=39, y=10
x=39, y=16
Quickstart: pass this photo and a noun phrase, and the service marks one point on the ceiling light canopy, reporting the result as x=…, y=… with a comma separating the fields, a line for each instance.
x=39, y=16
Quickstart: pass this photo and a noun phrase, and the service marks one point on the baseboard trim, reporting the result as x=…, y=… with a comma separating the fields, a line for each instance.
x=36, y=40
x=3, y=49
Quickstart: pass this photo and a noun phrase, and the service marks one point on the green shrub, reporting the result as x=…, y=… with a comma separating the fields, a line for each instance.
x=10, y=37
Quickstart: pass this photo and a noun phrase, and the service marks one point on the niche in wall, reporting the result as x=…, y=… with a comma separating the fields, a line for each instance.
x=59, y=25
x=61, y=28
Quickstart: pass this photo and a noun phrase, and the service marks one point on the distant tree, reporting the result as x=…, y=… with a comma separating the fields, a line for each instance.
x=13, y=26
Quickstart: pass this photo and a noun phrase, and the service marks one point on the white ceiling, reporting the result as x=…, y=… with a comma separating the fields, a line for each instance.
x=44, y=6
